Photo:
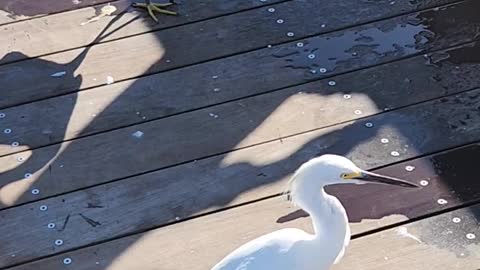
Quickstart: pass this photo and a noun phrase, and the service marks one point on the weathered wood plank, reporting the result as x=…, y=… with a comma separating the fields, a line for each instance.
x=171, y=48
x=433, y=243
x=83, y=162
x=19, y=10
x=64, y=31
x=160, y=198
x=443, y=243
x=91, y=112
x=110, y=106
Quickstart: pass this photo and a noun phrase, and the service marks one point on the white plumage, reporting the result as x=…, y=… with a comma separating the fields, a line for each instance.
x=294, y=249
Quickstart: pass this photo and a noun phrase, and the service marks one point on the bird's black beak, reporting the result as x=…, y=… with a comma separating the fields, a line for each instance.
x=377, y=178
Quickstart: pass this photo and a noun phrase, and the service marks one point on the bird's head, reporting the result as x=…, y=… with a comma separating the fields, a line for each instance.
x=333, y=169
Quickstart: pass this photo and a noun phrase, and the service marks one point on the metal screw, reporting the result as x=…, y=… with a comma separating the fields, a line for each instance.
x=290, y=34
x=332, y=83
x=15, y=144
x=313, y=71
x=442, y=201
x=323, y=70
x=280, y=21
x=20, y=159
x=216, y=89
x=43, y=208
x=271, y=10
x=214, y=77
x=35, y=191
x=424, y=183
x=456, y=220
x=51, y=225
x=323, y=25
x=28, y=175
x=369, y=125
x=409, y=168
x=299, y=44
x=395, y=153
x=2, y=115
x=263, y=0
x=347, y=96
x=357, y=112
x=471, y=236
x=58, y=242
x=311, y=56
x=67, y=261
x=384, y=140
x=7, y=131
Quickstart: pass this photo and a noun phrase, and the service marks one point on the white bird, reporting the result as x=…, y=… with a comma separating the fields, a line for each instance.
x=294, y=249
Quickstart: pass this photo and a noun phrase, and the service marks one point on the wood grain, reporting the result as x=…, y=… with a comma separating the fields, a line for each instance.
x=12, y=11
x=435, y=243
x=63, y=31
x=119, y=154
x=116, y=209
x=171, y=48
x=109, y=107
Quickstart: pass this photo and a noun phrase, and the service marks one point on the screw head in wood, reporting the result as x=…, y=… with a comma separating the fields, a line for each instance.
x=58, y=242
x=369, y=125
x=456, y=220
x=67, y=261
x=409, y=168
x=7, y=131
x=424, y=183
x=280, y=21
x=43, y=208
x=51, y=225
x=442, y=201
x=332, y=83
x=290, y=34
x=271, y=10
x=471, y=236
x=395, y=153
x=35, y=191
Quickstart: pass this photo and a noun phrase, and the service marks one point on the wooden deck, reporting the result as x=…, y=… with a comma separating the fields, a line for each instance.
x=126, y=144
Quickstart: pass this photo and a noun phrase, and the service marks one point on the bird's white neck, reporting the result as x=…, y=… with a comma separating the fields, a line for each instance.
x=329, y=219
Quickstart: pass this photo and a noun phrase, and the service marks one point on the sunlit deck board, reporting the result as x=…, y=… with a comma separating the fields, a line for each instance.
x=112, y=184
x=205, y=240
x=243, y=69
x=122, y=208
x=172, y=48
x=424, y=128
x=65, y=31
x=101, y=109
x=12, y=11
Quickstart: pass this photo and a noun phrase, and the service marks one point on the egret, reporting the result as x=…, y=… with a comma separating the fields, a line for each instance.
x=294, y=249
